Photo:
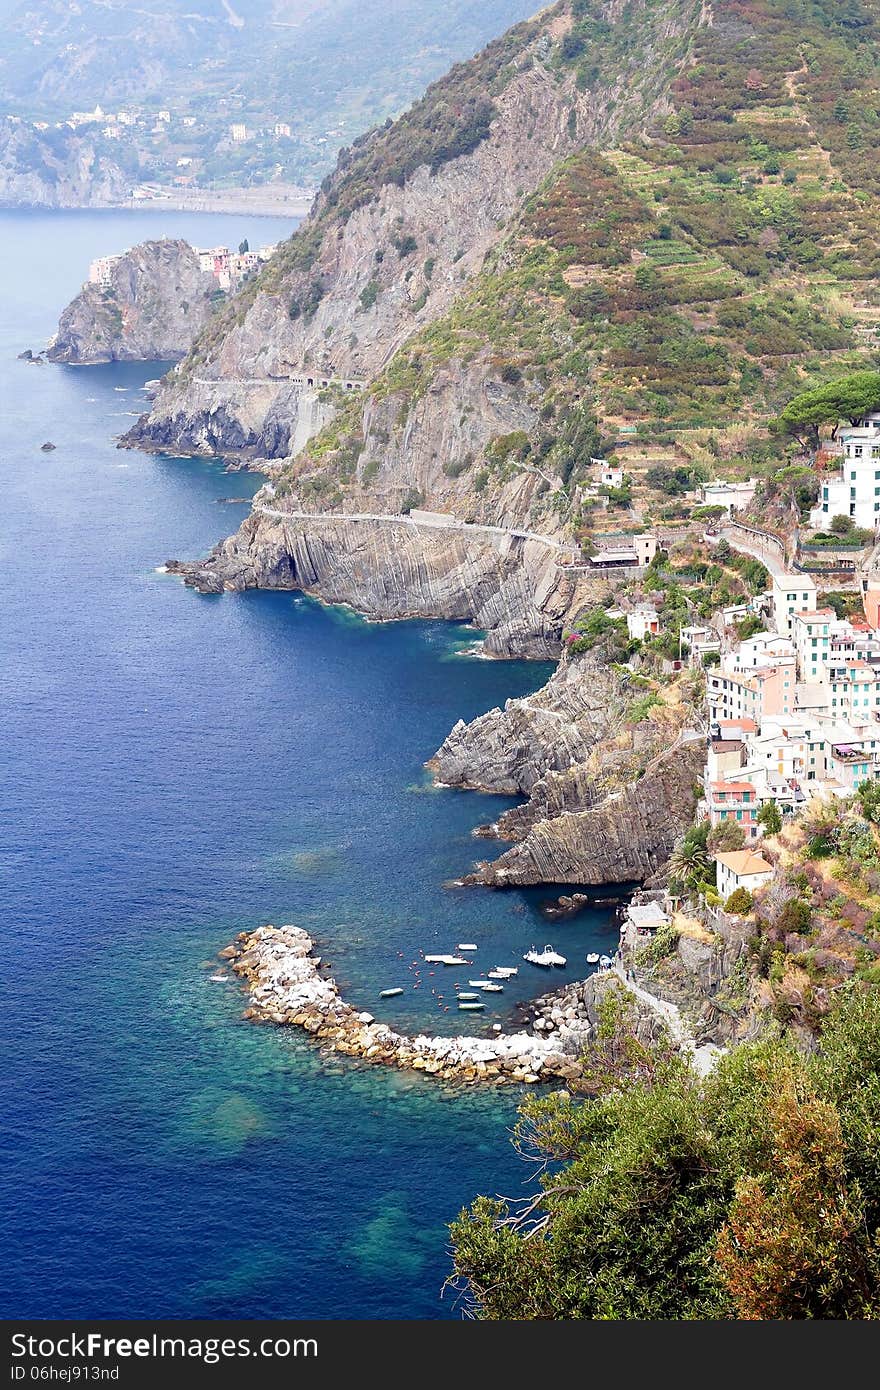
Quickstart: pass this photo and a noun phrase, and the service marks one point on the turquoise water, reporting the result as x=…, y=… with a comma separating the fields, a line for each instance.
x=177, y=768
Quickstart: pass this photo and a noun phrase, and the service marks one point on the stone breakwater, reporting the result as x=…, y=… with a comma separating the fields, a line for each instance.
x=286, y=986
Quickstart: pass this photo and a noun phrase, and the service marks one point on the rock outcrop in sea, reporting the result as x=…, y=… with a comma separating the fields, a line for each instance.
x=607, y=798
x=155, y=303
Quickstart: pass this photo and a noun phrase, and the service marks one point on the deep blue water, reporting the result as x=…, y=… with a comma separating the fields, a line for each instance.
x=176, y=768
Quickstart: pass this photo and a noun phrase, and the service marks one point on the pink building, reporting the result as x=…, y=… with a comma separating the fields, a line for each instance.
x=734, y=801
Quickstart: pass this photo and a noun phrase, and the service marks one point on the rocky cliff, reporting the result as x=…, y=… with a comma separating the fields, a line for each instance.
x=56, y=169
x=405, y=223
x=607, y=797
x=156, y=301
x=625, y=835
x=519, y=591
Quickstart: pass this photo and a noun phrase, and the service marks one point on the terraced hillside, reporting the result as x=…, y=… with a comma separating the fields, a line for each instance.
x=706, y=240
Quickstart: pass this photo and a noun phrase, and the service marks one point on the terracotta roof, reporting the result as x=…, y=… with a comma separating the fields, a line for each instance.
x=731, y=786
x=744, y=862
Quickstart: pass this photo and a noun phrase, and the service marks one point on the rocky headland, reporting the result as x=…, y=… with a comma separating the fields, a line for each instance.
x=155, y=303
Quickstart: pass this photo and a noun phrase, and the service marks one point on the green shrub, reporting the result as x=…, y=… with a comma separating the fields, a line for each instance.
x=740, y=902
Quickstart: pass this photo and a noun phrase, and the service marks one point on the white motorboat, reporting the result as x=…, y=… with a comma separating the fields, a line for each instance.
x=605, y=962
x=479, y=984
x=477, y=1004
x=466, y=946
x=446, y=960
x=493, y=989
x=593, y=958
x=219, y=978
x=390, y=993
x=504, y=972
x=464, y=994
x=548, y=957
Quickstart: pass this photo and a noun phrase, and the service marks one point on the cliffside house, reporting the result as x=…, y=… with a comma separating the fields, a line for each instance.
x=732, y=496
x=634, y=552
x=751, y=694
x=855, y=490
x=643, y=622
x=741, y=868
x=734, y=801
x=100, y=270
x=792, y=593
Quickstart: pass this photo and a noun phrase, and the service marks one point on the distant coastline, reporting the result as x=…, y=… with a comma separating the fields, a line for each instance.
x=282, y=200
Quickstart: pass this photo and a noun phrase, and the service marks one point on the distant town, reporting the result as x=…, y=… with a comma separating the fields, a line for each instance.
x=169, y=150
x=229, y=268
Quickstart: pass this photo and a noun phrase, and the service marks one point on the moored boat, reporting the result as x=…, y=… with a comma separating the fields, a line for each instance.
x=390, y=993
x=593, y=958
x=548, y=957
x=478, y=1004
x=466, y=946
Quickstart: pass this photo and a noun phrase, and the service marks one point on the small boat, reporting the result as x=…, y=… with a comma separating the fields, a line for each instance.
x=496, y=975
x=605, y=962
x=464, y=994
x=446, y=960
x=504, y=972
x=593, y=958
x=220, y=978
x=466, y=946
x=390, y=993
x=493, y=989
x=547, y=957
x=479, y=984
x=478, y=1004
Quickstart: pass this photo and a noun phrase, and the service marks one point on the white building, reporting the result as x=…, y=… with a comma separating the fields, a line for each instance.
x=100, y=270
x=811, y=634
x=855, y=491
x=762, y=649
x=643, y=622
x=238, y=133
x=282, y=130
x=611, y=475
x=733, y=496
x=792, y=593
x=742, y=868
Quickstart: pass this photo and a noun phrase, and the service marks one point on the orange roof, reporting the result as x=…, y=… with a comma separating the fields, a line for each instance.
x=744, y=862
x=731, y=786
x=747, y=724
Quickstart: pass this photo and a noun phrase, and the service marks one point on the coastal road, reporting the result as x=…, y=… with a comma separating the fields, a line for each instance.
x=753, y=545
x=705, y=1056
x=440, y=524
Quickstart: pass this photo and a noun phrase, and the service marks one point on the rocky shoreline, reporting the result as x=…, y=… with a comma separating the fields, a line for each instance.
x=286, y=986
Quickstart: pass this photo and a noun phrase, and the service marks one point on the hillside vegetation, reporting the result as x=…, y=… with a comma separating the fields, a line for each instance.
x=681, y=282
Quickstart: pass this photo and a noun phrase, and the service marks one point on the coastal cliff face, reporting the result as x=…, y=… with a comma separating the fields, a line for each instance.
x=607, y=798
x=515, y=589
x=404, y=224
x=156, y=302
x=624, y=836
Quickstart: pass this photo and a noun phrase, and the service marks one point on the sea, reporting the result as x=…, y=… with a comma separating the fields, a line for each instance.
x=177, y=768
